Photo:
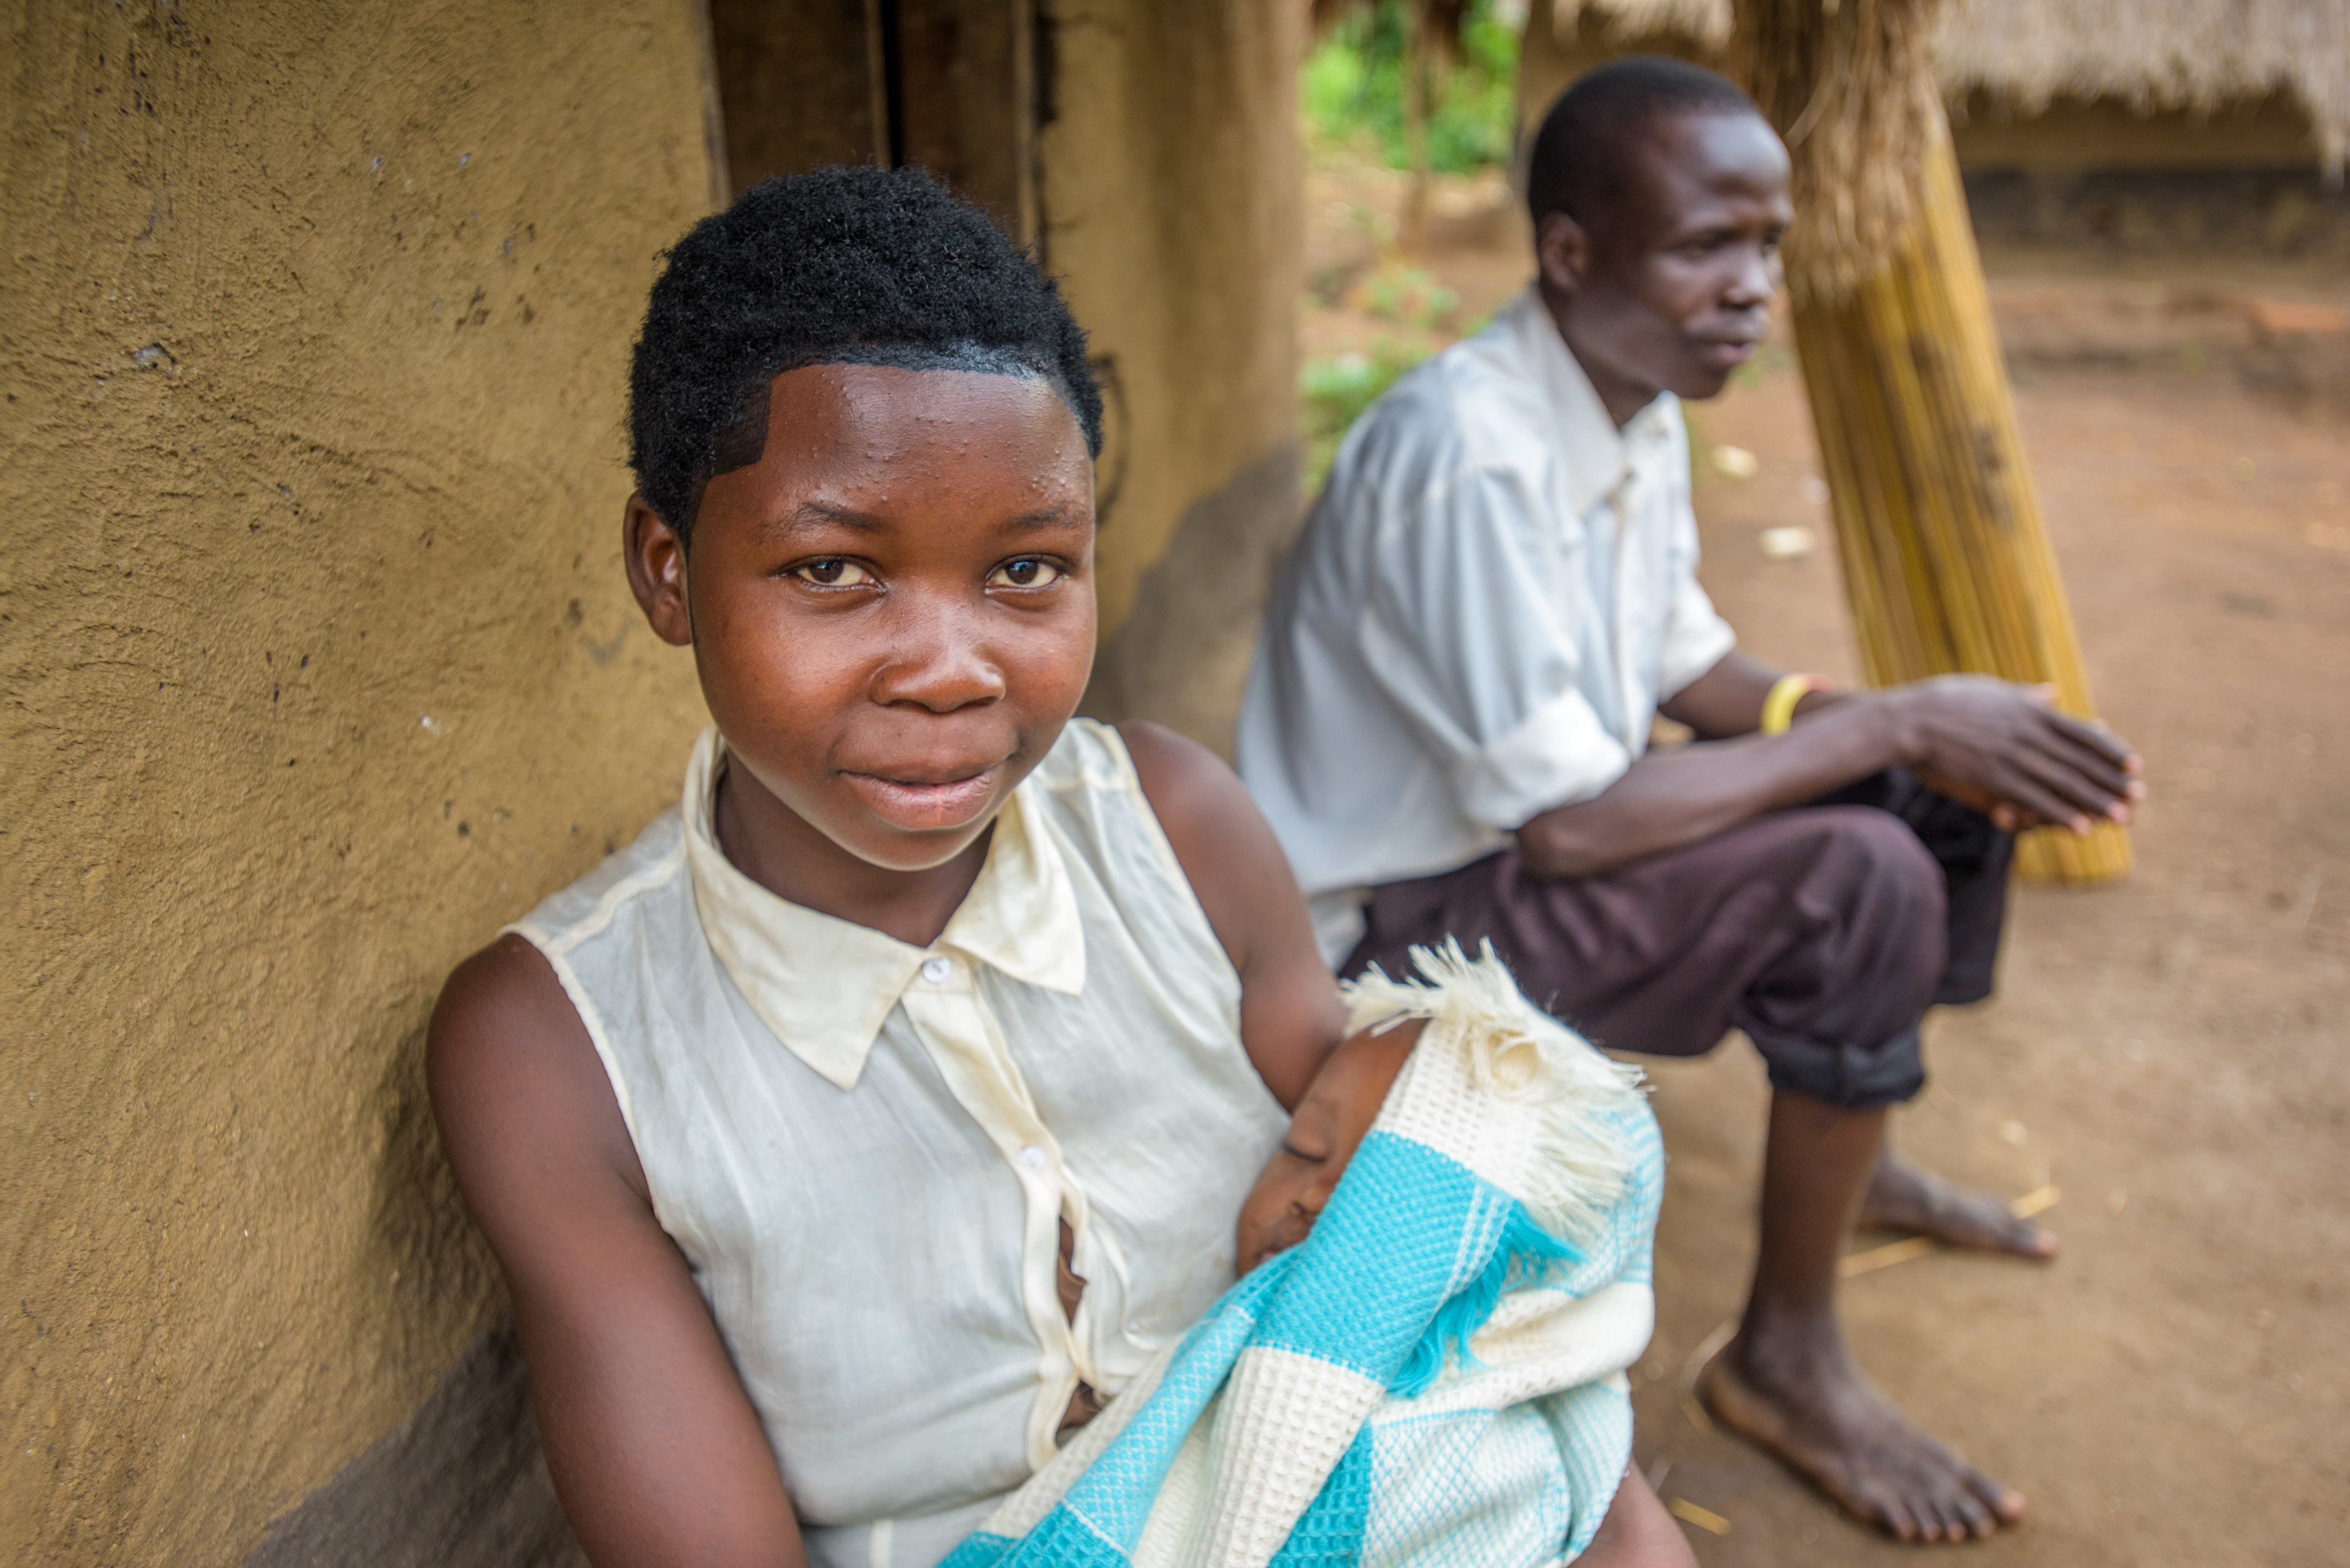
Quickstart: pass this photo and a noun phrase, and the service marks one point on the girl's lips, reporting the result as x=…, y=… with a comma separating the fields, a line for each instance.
x=926, y=808
x=1730, y=353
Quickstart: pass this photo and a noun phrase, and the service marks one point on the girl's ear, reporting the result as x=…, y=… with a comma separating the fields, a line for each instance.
x=655, y=561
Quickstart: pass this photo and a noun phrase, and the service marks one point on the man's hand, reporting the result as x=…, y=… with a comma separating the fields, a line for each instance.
x=1998, y=747
x=2004, y=749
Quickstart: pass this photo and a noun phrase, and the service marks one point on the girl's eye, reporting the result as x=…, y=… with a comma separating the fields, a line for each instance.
x=1028, y=573
x=833, y=572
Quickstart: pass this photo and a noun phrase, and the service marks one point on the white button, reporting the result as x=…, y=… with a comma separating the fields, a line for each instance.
x=936, y=970
x=1033, y=1157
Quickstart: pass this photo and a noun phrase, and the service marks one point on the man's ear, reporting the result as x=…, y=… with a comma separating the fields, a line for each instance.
x=1563, y=251
x=656, y=561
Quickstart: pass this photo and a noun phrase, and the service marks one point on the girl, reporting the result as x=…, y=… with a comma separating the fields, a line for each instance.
x=888, y=1102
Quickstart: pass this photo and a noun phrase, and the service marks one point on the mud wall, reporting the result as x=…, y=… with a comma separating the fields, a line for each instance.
x=1149, y=153
x=319, y=664
x=1171, y=197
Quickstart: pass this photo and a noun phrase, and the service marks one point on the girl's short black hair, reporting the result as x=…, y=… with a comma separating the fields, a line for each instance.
x=849, y=265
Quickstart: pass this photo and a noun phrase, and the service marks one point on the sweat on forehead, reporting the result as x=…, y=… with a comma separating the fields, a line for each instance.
x=1583, y=153
x=861, y=265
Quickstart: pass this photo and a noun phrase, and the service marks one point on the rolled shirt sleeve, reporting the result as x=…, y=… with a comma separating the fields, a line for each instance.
x=1696, y=637
x=1460, y=631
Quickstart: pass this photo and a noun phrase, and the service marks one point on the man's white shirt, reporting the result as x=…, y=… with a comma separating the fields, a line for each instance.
x=1495, y=592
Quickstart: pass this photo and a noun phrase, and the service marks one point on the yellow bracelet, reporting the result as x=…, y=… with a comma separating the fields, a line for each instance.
x=1779, y=708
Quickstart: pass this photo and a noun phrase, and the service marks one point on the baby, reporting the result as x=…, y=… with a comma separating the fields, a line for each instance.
x=1326, y=1128
x=1421, y=1364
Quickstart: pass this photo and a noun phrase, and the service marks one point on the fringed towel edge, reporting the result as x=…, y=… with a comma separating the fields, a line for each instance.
x=1515, y=1051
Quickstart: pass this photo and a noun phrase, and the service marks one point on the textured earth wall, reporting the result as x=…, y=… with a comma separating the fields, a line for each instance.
x=318, y=665
x=1171, y=191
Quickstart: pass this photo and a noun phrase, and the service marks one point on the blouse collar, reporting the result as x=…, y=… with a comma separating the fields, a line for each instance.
x=824, y=986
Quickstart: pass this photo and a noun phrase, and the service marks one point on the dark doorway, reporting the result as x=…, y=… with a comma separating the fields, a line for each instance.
x=957, y=87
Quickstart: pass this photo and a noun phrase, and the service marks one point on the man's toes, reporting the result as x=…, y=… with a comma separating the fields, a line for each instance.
x=2006, y=1503
x=2033, y=1240
x=1983, y=1504
x=1883, y=1506
x=1905, y=1198
x=1978, y=1219
x=1949, y=1523
x=1951, y=1507
x=1978, y=1519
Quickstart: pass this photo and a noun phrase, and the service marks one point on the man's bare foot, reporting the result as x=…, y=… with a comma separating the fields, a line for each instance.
x=1901, y=1197
x=1825, y=1420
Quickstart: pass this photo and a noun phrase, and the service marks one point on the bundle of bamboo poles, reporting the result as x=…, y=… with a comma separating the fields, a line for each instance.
x=1938, y=527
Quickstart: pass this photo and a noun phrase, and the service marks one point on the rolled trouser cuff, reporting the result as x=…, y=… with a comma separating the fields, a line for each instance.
x=1850, y=1077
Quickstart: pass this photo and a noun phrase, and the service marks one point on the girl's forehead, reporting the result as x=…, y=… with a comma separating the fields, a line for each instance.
x=883, y=445
x=841, y=418
x=916, y=403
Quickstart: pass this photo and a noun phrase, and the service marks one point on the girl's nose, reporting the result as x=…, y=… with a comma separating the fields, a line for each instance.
x=941, y=662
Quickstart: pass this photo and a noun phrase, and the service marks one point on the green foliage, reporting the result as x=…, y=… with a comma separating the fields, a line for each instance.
x=1352, y=93
x=1336, y=390
x=1406, y=295
x=1352, y=87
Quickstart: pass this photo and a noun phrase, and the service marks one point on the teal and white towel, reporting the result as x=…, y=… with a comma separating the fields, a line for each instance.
x=1436, y=1375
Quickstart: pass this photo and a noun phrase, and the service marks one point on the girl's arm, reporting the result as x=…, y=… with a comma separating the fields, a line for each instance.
x=655, y=1449
x=1637, y=1531
x=1290, y=1016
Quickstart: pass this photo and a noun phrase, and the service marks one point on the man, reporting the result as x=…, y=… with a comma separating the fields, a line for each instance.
x=1447, y=726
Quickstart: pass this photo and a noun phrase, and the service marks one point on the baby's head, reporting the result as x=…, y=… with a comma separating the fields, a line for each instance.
x=1329, y=1124
x=863, y=428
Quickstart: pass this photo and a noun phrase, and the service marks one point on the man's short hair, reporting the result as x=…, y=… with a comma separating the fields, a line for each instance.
x=842, y=266
x=1582, y=150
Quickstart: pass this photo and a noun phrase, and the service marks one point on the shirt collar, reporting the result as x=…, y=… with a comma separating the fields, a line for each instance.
x=824, y=986
x=1599, y=457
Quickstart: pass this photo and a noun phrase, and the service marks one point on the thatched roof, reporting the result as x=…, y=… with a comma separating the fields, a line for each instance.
x=2151, y=54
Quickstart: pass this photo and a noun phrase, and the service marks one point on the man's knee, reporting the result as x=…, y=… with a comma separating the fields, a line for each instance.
x=1877, y=865
x=1880, y=891
x=1846, y=1031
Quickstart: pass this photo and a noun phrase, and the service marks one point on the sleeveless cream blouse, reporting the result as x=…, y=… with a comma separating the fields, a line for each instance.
x=864, y=1149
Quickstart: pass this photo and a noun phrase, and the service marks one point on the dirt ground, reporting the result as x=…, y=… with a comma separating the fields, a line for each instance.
x=2167, y=1052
